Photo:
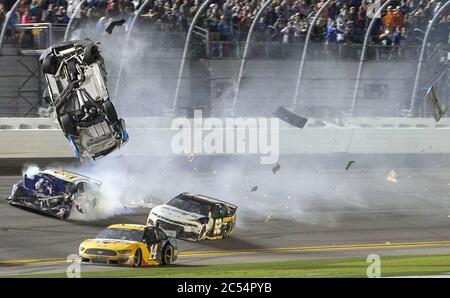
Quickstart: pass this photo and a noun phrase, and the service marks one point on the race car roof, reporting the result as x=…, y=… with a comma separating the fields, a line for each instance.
x=127, y=227
x=70, y=176
x=209, y=199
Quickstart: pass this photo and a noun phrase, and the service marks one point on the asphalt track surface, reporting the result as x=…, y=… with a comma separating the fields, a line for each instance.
x=407, y=217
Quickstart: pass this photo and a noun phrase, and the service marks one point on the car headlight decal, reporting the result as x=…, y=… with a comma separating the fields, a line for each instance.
x=124, y=251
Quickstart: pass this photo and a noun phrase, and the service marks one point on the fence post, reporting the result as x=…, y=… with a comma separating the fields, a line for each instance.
x=305, y=48
x=125, y=47
x=5, y=23
x=245, y=54
x=74, y=16
x=185, y=51
x=363, y=54
x=421, y=58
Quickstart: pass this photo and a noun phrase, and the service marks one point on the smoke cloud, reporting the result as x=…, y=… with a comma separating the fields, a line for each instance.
x=304, y=189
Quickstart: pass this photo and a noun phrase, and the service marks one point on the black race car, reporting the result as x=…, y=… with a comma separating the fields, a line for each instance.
x=77, y=94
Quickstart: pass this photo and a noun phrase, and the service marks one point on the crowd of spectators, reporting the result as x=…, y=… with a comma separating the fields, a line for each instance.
x=284, y=21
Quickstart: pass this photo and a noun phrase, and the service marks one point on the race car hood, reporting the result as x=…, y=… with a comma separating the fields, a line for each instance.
x=175, y=214
x=113, y=244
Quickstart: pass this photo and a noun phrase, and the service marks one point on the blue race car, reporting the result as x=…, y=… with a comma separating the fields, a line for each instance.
x=54, y=192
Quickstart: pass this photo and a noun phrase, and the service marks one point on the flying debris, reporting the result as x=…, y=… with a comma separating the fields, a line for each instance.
x=392, y=177
x=289, y=117
x=276, y=168
x=269, y=217
x=190, y=157
x=254, y=188
x=437, y=108
x=349, y=164
x=113, y=24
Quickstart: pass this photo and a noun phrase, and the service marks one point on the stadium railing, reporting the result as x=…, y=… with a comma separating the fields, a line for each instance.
x=271, y=50
x=36, y=36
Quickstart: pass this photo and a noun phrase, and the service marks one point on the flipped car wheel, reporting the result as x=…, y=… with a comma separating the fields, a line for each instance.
x=110, y=112
x=137, y=258
x=90, y=54
x=49, y=64
x=167, y=254
x=67, y=125
x=19, y=192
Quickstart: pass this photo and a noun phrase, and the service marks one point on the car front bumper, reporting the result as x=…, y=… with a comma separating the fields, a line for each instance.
x=119, y=259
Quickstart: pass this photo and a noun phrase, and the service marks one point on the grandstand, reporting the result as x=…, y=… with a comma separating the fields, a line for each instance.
x=153, y=52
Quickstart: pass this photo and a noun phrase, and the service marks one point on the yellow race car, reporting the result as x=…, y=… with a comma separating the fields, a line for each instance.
x=129, y=244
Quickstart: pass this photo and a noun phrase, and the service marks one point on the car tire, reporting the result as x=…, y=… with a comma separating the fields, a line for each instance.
x=167, y=255
x=90, y=54
x=110, y=112
x=202, y=233
x=67, y=125
x=137, y=259
x=19, y=192
x=228, y=231
x=49, y=65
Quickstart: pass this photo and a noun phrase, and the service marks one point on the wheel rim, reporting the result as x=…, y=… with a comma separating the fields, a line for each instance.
x=137, y=258
x=168, y=255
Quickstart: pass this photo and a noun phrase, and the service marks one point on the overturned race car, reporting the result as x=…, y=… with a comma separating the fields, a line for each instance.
x=79, y=100
x=54, y=192
x=195, y=217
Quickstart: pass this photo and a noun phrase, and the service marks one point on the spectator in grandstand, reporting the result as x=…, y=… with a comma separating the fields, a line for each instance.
x=289, y=33
x=112, y=10
x=184, y=15
x=276, y=29
x=2, y=14
x=61, y=16
x=397, y=36
x=388, y=21
x=332, y=33
x=385, y=38
x=25, y=18
x=243, y=25
x=212, y=23
x=49, y=16
x=36, y=10
x=284, y=21
x=224, y=29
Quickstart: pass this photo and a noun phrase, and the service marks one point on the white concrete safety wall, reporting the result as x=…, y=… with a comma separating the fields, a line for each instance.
x=42, y=138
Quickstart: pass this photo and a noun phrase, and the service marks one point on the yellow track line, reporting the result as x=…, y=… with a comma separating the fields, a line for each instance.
x=299, y=249
x=319, y=248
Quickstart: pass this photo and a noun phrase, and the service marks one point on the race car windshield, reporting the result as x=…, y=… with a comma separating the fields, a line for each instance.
x=122, y=234
x=189, y=205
